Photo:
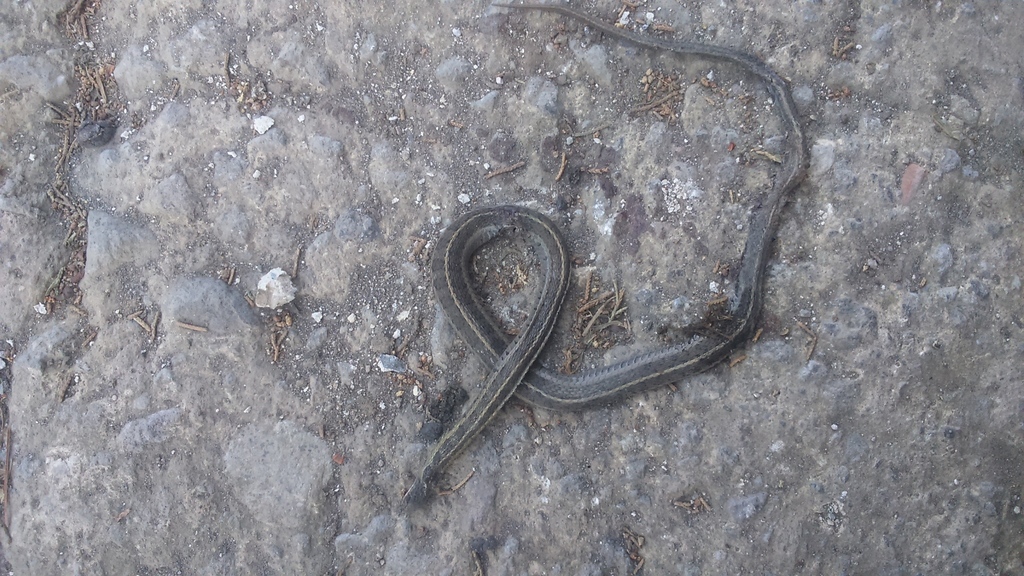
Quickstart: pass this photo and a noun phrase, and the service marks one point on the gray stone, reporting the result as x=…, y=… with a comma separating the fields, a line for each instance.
x=486, y=102
x=171, y=200
x=803, y=95
x=948, y=161
x=37, y=74
x=854, y=325
x=390, y=363
x=356, y=225
x=942, y=255
x=325, y=147
x=542, y=94
x=744, y=507
x=138, y=76
x=882, y=34
x=47, y=350
x=452, y=74
x=114, y=242
x=199, y=51
x=388, y=172
x=279, y=472
x=964, y=110
x=207, y=302
x=266, y=150
x=595, y=58
x=17, y=195
x=823, y=155
x=152, y=429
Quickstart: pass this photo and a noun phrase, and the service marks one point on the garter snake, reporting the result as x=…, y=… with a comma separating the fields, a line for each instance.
x=511, y=359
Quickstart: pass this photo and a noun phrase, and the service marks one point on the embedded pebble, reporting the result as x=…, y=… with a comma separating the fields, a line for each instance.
x=390, y=363
x=486, y=102
x=823, y=155
x=113, y=241
x=912, y=177
x=948, y=161
x=943, y=257
x=36, y=73
x=387, y=169
x=452, y=73
x=355, y=224
x=138, y=75
x=94, y=133
x=261, y=124
x=211, y=303
x=172, y=200
x=153, y=429
x=542, y=94
x=803, y=95
x=596, y=59
x=278, y=473
x=744, y=507
x=275, y=289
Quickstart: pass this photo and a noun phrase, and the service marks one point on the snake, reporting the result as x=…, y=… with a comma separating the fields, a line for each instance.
x=512, y=360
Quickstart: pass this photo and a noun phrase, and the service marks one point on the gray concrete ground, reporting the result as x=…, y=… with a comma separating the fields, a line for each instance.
x=876, y=426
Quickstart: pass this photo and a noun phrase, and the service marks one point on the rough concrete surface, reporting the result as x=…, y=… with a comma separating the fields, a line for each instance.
x=160, y=423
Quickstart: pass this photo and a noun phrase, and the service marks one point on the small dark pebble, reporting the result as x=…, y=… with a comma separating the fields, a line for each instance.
x=95, y=133
x=430, y=432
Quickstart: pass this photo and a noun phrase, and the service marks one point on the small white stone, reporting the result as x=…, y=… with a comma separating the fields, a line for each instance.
x=41, y=308
x=274, y=289
x=464, y=198
x=262, y=123
x=317, y=316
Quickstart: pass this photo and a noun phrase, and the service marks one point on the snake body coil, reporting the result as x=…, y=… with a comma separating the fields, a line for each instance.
x=511, y=358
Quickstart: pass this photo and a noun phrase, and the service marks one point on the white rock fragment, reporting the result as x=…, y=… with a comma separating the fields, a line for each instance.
x=262, y=123
x=274, y=289
x=41, y=308
x=317, y=316
x=464, y=198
